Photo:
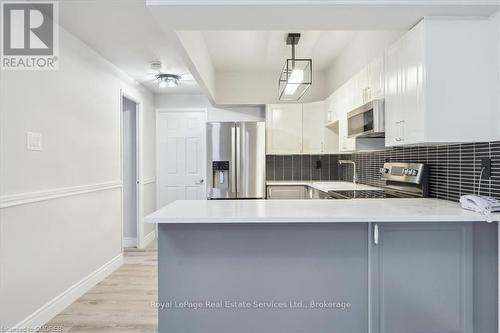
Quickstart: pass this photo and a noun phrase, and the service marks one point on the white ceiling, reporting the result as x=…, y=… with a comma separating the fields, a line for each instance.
x=310, y=14
x=125, y=33
x=247, y=35
x=131, y=33
x=267, y=50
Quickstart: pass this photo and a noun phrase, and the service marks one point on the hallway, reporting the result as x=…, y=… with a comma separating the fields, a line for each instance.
x=120, y=303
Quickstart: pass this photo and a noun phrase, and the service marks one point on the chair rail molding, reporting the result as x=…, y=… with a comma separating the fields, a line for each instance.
x=31, y=197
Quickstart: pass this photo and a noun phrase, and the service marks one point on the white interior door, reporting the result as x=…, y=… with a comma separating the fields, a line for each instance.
x=181, y=156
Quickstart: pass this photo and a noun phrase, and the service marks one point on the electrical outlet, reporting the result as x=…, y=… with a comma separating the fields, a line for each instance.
x=34, y=141
x=486, y=167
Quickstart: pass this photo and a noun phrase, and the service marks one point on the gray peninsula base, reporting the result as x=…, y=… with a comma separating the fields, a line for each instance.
x=328, y=277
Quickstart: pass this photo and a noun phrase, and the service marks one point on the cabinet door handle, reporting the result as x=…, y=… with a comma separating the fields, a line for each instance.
x=375, y=234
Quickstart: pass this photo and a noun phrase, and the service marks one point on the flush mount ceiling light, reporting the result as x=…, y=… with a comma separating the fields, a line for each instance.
x=168, y=80
x=296, y=76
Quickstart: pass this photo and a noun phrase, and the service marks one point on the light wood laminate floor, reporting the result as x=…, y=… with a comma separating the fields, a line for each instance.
x=123, y=302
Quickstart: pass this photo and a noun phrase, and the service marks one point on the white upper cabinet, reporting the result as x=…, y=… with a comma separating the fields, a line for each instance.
x=313, y=118
x=331, y=108
x=363, y=87
x=316, y=138
x=284, y=129
x=439, y=85
x=347, y=103
x=299, y=129
x=404, y=92
x=375, y=80
x=357, y=89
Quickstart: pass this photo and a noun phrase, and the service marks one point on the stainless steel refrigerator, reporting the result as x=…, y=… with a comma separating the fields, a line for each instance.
x=236, y=154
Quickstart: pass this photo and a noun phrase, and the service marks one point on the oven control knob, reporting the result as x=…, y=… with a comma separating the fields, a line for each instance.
x=384, y=170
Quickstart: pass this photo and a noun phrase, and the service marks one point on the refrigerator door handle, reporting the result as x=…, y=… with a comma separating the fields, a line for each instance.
x=232, y=169
x=238, y=157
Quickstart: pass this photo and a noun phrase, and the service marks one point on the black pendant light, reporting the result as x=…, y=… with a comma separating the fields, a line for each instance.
x=296, y=76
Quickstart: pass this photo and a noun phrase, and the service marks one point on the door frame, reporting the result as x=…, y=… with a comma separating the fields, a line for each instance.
x=138, y=167
x=204, y=112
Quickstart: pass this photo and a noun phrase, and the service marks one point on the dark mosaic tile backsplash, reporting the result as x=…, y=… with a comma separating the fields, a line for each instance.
x=454, y=170
x=302, y=167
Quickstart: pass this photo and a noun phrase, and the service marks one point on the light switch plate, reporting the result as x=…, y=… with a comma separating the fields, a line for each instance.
x=34, y=141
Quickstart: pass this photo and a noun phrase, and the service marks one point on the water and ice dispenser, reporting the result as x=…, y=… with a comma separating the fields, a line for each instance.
x=220, y=174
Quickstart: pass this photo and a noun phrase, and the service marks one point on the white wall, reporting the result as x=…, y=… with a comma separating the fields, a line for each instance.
x=364, y=46
x=237, y=87
x=60, y=216
x=222, y=113
x=198, y=59
x=262, y=88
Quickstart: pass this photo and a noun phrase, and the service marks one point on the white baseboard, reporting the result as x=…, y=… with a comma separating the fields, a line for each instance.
x=129, y=242
x=48, y=311
x=148, y=239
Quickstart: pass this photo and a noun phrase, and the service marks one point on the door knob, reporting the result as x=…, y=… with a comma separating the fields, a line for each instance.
x=200, y=182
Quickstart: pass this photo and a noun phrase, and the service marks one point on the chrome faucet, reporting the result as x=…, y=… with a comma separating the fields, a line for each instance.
x=354, y=176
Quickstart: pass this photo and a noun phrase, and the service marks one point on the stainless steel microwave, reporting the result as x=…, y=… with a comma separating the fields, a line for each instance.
x=367, y=120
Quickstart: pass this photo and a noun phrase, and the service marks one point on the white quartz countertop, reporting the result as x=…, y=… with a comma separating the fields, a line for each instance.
x=326, y=211
x=324, y=186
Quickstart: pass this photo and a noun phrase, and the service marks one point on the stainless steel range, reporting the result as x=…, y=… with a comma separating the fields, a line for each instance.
x=403, y=180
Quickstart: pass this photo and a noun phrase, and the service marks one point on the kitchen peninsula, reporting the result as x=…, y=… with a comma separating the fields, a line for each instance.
x=379, y=265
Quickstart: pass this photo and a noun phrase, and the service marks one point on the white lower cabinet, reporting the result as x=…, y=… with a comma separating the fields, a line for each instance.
x=439, y=84
x=286, y=192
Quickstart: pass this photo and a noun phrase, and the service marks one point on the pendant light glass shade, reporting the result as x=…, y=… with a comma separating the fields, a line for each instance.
x=296, y=76
x=295, y=79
